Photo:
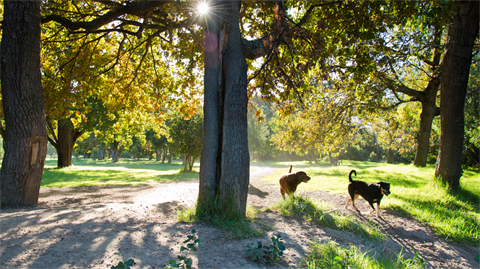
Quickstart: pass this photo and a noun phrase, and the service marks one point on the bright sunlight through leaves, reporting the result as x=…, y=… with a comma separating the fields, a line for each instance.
x=203, y=8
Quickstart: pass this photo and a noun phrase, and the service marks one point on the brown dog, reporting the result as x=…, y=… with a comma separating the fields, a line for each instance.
x=290, y=181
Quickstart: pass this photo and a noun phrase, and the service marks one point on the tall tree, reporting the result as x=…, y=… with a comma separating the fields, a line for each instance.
x=396, y=59
x=23, y=104
x=185, y=136
x=462, y=33
x=225, y=162
x=93, y=115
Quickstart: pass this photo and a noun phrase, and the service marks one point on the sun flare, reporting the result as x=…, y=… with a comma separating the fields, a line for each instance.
x=203, y=8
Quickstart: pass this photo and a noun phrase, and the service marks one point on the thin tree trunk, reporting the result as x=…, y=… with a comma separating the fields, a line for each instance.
x=101, y=154
x=190, y=165
x=215, y=33
x=186, y=162
x=165, y=153
x=390, y=156
x=463, y=30
x=23, y=104
x=158, y=155
x=114, y=151
x=429, y=111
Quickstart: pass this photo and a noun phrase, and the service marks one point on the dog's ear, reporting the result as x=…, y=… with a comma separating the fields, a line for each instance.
x=385, y=185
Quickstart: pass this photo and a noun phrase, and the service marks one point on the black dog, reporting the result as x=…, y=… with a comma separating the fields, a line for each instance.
x=373, y=193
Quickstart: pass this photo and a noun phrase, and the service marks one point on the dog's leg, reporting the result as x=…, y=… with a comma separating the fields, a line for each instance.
x=353, y=203
x=355, y=197
x=282, y=192
x=348, y=202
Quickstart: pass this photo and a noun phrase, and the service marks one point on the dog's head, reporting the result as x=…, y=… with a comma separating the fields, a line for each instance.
x=302, y=176
x=384, y=187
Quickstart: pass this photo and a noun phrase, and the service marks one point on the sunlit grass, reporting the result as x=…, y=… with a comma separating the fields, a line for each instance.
x=454, y=215
x=86, y=172
x=317, y=212
x=332, y=255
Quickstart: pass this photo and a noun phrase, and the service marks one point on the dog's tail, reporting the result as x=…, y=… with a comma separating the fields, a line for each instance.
x=290, y=171
x=350, y=175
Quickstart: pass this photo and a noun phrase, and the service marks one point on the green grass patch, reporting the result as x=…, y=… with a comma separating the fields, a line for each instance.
x=86, y=172
x=317, y=213
x=454, y=215
x=235, y=227
x=331, y=255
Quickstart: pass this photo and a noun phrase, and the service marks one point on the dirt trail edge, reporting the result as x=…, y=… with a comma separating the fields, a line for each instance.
x=96, y=227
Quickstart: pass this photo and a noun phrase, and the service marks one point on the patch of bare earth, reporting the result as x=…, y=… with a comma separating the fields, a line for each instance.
x=85, y=227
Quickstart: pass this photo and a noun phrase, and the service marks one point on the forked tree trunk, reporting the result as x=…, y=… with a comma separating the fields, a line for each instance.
x=463, y=30
x=67, y=136
x=224, y=166
x=23, y=104
x=190, y=165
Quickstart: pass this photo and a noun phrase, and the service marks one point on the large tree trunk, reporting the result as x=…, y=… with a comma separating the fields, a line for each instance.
x=67, y=136
x=224, y=166
x=463, y=30
x=64, y=141
x=23, y=104
x=429, y=111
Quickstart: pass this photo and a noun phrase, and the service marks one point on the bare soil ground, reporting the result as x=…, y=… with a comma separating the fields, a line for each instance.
x=85, y=227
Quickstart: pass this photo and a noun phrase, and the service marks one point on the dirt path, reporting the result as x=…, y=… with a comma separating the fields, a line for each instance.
x=85, y=227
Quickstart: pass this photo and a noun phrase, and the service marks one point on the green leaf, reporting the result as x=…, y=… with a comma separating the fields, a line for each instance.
x=129, y=263
x=477, y=257
x=120, y=265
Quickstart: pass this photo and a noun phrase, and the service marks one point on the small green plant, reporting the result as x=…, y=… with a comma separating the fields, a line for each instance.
x=268, y=255
x=477, y=257
x=124, y=265
x=415, y=262
x=185, y=262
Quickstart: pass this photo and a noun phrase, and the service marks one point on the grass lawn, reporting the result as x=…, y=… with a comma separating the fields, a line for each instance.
x=414, y=191
x=454, y=215
x=87, y=172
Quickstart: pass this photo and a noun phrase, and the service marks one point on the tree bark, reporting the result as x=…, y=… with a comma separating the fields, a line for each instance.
x=192, y=162
x=186, y=162
x=224, y=171
x=114, y=151
x=67, y=136
x=429, y=111
x=23, y=104
x=165, y=152
x=462, y=32
x=390, y=156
